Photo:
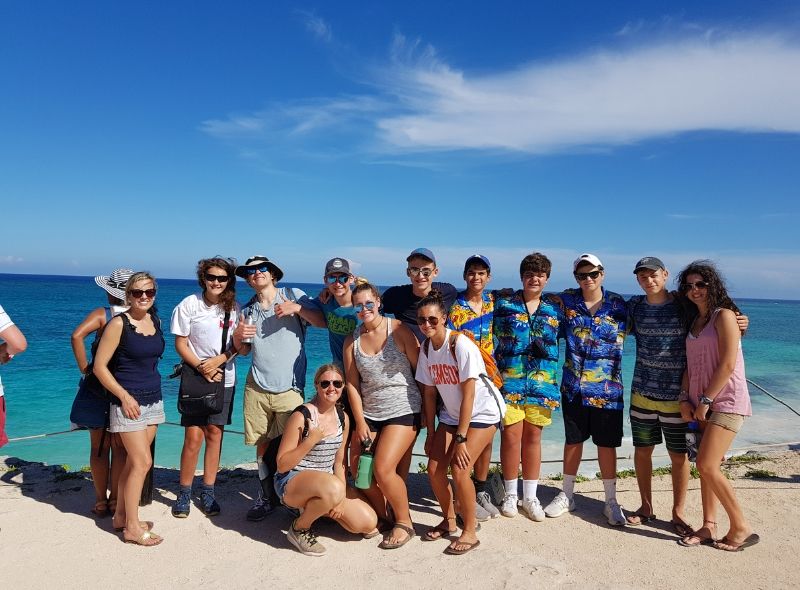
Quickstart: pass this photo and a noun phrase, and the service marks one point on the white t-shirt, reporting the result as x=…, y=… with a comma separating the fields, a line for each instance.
x=202, y=325
x=441, y=370
x=5, y=322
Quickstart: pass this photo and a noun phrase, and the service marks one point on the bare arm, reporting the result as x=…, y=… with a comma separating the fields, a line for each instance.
x=353, y=380
x=407, y=342
x=728, y=336
x=91, y=323
x=338, y=464
x=292, y=449
x=314, y=317
x=461, y=455
x=14, y=342
x=242, y=331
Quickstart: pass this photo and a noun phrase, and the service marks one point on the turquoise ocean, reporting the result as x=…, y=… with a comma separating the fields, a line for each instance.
x=40, y=384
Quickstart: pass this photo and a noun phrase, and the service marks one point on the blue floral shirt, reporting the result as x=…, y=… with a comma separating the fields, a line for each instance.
x=528, y=377
x=593, y=364
x=463, y=318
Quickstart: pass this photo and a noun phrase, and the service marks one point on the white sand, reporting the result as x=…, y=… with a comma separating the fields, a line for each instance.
x=48, y=538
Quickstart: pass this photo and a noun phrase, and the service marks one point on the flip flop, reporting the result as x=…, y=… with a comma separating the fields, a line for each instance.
x=145, y=524
x=148, y=539
x=703, y=541
x=371, y=535
x=682, y=529
x=733, y=547
x=101, y=508
x=437, y=532
x=643, y=518
x=409, y=535
x=468, y=547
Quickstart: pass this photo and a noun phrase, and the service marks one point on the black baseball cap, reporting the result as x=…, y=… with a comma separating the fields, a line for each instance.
x=649, y=263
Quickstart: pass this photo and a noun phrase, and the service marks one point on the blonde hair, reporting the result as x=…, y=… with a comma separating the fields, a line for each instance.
x=136, y=278
x=335, y=367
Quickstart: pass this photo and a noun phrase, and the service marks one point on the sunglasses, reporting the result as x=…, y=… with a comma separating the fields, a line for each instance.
x=369, y=306
x=336, y=383
x=253, y=269
x=432, y=320
x=582, y=276
x=341, y=279
x=698, y=285
x=414, y=271
x=219, y=278
x=137, y=293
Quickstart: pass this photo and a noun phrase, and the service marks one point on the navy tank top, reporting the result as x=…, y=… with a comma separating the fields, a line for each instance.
x=137, y=361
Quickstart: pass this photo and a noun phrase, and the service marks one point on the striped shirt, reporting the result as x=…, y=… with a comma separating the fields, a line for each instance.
x=322, y=456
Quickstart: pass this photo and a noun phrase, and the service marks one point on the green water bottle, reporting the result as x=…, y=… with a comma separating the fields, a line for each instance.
x=364, y=476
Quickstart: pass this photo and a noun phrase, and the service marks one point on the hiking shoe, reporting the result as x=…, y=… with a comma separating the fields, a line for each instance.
x=613, y=513
x=305, y=541
x=208, y=504
x=485, y=502
x=180, y=509
x=261, y=507
x=533, y=509
x=509, y=506
x=559, y=505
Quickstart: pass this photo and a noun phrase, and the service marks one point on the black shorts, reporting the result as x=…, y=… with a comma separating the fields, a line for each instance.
x=581, y=422
x=452, y=429
x=221, y=419
x=414, y=420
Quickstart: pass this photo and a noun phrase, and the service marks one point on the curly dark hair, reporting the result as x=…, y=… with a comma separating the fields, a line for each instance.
x=434, y=297
x=717, y=292
x=536, y=262
x=227, y=299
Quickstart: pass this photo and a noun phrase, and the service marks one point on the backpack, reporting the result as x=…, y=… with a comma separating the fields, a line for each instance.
x=491, y=366
x=270, y=456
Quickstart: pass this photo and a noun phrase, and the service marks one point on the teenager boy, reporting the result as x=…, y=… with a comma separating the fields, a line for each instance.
x=277, y=376
x=401, y=301
x=472, y=312
x=591, y=385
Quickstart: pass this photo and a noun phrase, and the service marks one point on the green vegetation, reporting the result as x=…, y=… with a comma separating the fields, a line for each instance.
x=666, y=470
x=746, y=458
x=760, y=474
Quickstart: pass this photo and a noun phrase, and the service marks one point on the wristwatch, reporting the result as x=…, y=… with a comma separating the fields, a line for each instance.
x=460, y=438
x=706, y=401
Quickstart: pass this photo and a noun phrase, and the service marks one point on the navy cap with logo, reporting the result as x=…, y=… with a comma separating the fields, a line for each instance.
x=649, y=263
x=337, y=265
x=478, y=259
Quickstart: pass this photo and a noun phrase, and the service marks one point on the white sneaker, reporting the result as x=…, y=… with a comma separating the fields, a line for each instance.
x=509, y=506
x=613, y=512
x=559, y=505
x=485, y=502
x=534, y=509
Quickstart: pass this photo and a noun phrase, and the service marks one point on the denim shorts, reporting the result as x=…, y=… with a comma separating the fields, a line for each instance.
x=281, y=481
x=148, y=416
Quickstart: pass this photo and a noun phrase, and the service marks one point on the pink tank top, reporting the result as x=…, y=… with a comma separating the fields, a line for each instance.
x=702, y=359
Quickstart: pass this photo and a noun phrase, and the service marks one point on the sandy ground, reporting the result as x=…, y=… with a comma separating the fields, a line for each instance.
x=49, y=538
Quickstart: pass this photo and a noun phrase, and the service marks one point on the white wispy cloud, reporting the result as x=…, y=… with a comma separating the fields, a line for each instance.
x=10, y=259
x=417, y=102
x=317, y=26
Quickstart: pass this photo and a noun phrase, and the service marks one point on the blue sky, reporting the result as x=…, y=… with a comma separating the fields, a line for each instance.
x=152, y=134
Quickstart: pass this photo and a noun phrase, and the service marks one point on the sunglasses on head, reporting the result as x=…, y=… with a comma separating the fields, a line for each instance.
x=219, y=278
x=137, y=293
x=431, y=319
x=336, y=383
x=582, y=276
x=698, y=285
x=414, y=271
x=341, y=279
x=369, y=306
x=252, y=270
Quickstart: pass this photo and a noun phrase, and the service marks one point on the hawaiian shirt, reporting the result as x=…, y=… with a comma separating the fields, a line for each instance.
x=529, y=369
x=593, y=364
x=462, y=317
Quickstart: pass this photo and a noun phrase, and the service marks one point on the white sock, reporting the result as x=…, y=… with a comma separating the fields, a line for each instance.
x=529, y=488
x=511, y=486
x=610, y=486
x=263, y=473
x=569, y=485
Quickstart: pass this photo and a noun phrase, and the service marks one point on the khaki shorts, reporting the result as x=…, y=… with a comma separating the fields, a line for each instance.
x=732, y=422
x=531, y=413
x=266, y=413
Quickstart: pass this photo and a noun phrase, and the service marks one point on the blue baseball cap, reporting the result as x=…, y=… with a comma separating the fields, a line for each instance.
x=422, y=253
x=477, y=259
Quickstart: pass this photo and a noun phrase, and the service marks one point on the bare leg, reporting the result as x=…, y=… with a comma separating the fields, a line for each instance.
x=118, y=457
x=192, y=441
x=136, y=468
x=607, y=458
x=680, y=485
x=99, y=464
x=394, y=442
x=531, y=451
x=643, y=463
x=357, y=515
x=510, y=450
x=572, y=458
x=316, y=493
x=438, y=463
x=213, y=437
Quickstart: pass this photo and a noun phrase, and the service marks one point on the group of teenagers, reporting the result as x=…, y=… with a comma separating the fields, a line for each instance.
x=426, y=368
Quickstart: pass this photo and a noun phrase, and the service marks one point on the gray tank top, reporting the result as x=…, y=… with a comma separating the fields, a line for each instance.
x=388, y=389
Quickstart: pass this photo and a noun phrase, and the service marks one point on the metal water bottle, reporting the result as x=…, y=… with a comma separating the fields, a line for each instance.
x=364, y=476
x=692, y=440
x=250, y=320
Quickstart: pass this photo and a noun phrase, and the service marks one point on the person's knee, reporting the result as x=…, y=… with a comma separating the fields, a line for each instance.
x=707, y=466
x=213, y=435
x=383, y=471
x=333, y=492
x=643, y=452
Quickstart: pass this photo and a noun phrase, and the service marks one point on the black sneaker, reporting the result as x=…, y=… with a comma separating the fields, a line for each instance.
x=208, y=504
x=261, y=507
x=180, y=509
